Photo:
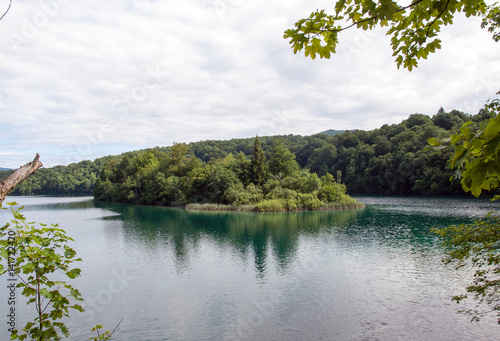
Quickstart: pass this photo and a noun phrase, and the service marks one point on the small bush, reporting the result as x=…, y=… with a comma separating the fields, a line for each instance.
x=290, y=204
x=235, y=195
x=254, y=193
x=271, y=205
x=310, y=201
x=282, y=193
x=270, y=185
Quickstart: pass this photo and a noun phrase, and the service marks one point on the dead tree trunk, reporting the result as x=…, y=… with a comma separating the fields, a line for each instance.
x=19, y=175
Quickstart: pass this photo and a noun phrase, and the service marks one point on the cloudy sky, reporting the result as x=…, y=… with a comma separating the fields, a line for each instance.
x=84, y=79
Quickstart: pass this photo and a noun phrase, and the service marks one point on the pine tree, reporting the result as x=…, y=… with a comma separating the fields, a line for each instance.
x=258, y=168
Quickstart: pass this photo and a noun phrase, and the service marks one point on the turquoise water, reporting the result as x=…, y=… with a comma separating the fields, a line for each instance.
x=171, y=274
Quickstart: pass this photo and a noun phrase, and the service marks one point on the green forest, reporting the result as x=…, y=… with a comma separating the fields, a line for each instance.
x=288, y=170
x=177, y=178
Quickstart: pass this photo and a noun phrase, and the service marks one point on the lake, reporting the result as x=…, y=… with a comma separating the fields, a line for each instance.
x=171, y=274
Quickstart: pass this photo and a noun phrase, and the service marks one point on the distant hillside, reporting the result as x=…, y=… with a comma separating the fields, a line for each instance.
x=332, y=132
x=4, y=169
x=390, y=160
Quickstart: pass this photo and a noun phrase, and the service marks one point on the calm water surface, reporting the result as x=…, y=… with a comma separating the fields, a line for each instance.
x=170, y=274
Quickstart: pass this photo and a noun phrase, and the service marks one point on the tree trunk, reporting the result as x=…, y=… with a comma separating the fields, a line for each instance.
x=19, y=175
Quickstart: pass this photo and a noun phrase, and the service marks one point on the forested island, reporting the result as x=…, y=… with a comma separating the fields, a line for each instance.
x=291, y=171
x=177, y=178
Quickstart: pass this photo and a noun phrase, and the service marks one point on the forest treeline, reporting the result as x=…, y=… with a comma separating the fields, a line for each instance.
x=178, y=178
x=74, y=179
x=391, y=160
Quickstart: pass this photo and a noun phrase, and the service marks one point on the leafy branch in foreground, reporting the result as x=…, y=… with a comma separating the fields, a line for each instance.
x=106, y=335
x=414, y=30
x=477, y=245
x=476, y=157
x=413, y=27
x=477, y=151
x=31, y=256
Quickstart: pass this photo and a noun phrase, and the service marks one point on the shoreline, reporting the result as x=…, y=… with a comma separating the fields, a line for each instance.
x=254, y=208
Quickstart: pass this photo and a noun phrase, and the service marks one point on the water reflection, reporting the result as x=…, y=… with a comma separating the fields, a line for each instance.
x=261, y=234
x=372, y=274
x=38, y=203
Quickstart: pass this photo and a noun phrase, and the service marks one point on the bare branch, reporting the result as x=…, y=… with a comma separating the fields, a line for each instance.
x=114, y=330
x=19, y=175
x=8, y=8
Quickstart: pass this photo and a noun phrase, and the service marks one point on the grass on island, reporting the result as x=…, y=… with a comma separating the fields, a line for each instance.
x=281, y=205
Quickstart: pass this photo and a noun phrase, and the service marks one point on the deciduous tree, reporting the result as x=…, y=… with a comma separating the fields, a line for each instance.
x=33, y=254
x=476, y=158
x=414, y=28
x=281, y=160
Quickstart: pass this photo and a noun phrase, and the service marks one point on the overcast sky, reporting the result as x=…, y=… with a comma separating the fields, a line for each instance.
x=84, y=79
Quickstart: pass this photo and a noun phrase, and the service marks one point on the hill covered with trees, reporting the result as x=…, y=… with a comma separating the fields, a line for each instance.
x=74, y=179
x=390, y=160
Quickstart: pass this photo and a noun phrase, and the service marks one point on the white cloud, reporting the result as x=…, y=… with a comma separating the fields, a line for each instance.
x=86, y=79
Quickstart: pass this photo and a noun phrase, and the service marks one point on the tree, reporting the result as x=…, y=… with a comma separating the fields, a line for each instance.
x=382, y=145
x=476, y=245
x=413, y=27
x=414, y=30
x=241, y=166
x=33, y=255
x=281, y=160
x=258, y=168
x=179, y=152
x=476, y=158
x=449, y=120
x=323, y=159
x=477, y=152
x=38, y=253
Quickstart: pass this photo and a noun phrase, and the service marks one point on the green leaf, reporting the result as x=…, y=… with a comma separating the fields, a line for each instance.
x=433, y=142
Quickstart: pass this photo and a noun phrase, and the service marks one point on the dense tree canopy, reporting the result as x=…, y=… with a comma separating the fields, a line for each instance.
x=175, y=177
x=282, y=161
x=477, y=151
x=389, y=160
x=75, y=179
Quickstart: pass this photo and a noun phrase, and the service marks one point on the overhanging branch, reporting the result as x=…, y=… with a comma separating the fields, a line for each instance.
x=354, y=23
x=8, y=8
x=19, y=175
